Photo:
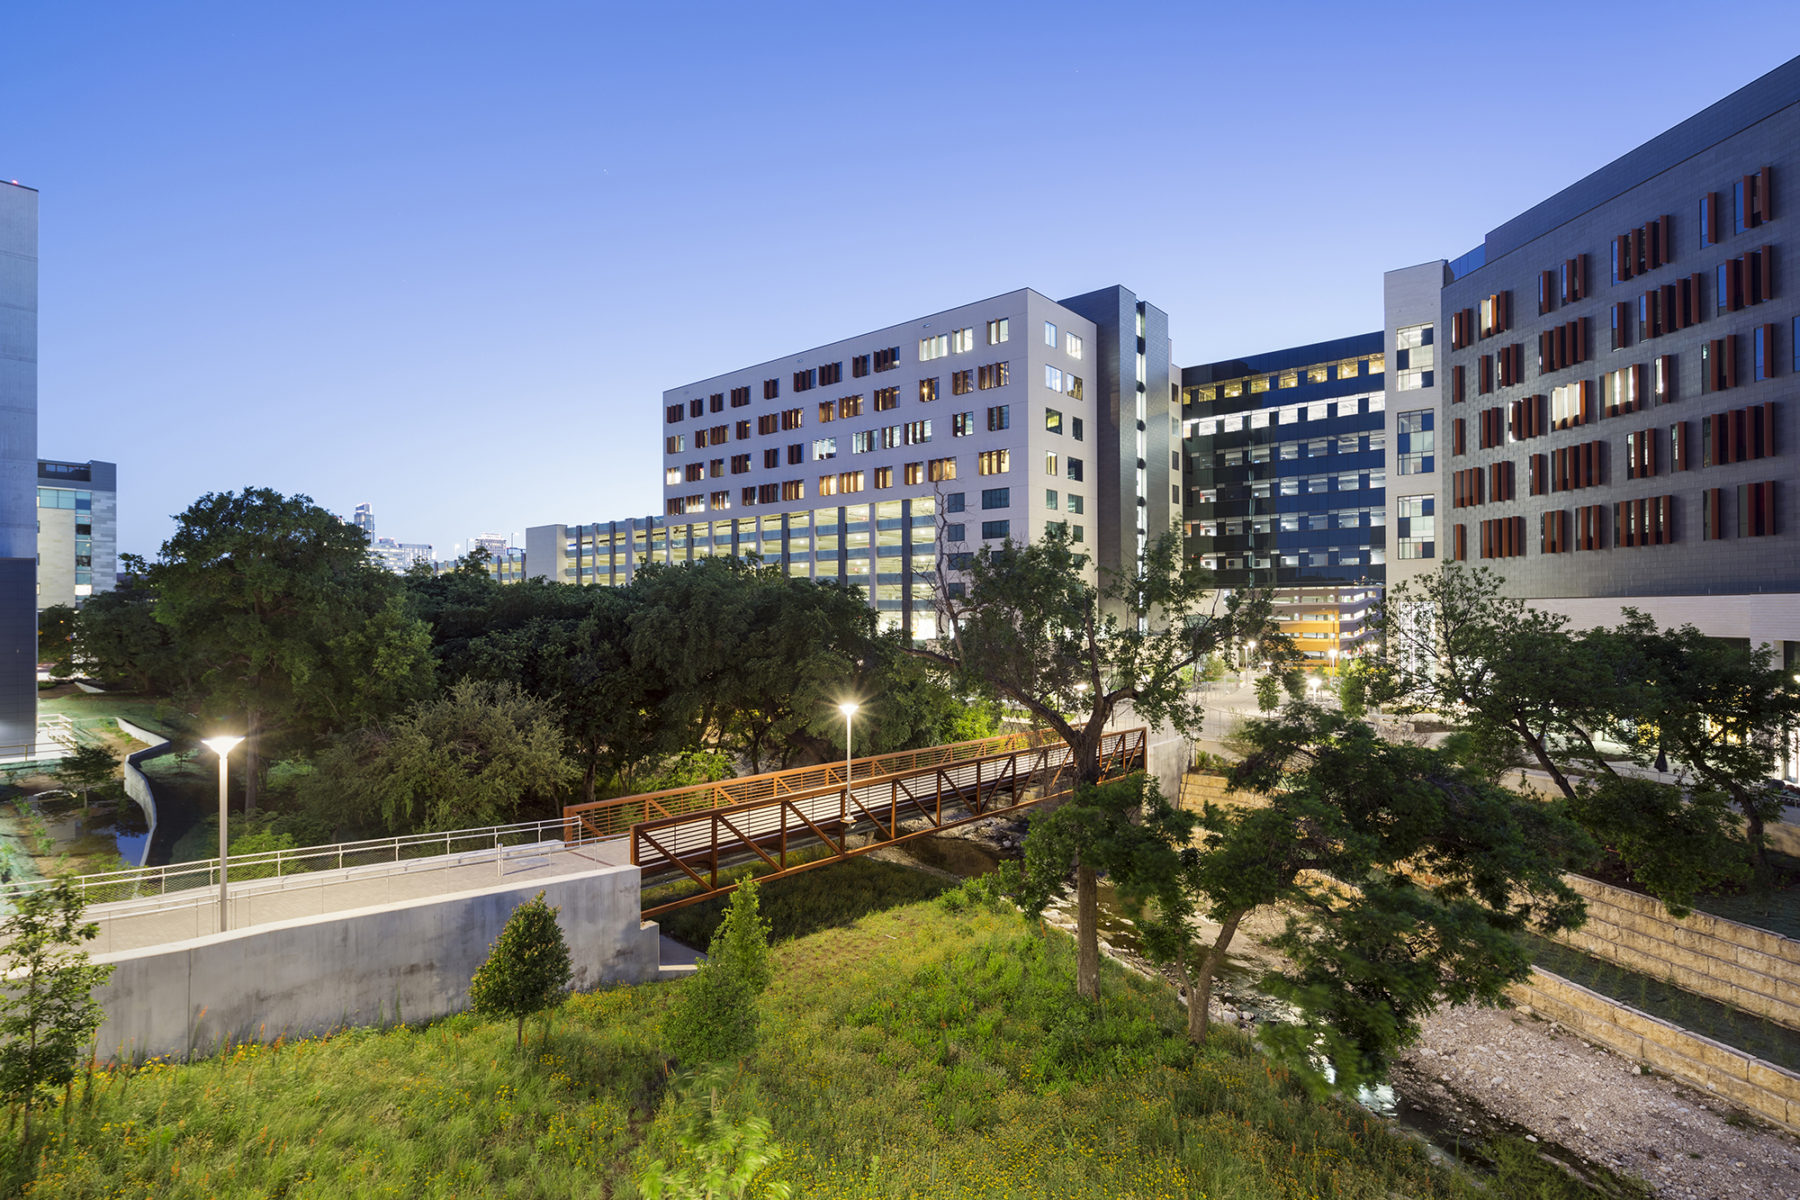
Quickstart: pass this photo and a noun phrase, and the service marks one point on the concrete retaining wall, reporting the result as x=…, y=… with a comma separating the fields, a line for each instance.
x=137, y=786
x=1747, y=968
x=1758, y=1087
x=405, y=962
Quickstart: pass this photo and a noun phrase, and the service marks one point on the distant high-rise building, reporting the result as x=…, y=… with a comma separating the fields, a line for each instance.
x=364, y=519
x=77, y=541
x=399, y=557
x=18, y=469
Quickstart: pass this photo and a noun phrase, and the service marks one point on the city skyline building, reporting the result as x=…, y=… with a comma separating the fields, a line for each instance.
x=1619, y=364
x=77, y=535
x=18, y=468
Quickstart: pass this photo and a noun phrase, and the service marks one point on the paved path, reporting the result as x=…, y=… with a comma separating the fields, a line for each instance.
x=133, y=924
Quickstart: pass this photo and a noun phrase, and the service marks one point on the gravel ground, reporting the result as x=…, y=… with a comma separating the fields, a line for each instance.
x=1560, y=1089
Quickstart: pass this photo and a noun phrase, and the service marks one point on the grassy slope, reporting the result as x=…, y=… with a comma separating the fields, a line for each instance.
x=914, y=1053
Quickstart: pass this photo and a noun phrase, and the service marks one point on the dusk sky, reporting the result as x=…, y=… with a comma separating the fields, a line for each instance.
x=444, y=257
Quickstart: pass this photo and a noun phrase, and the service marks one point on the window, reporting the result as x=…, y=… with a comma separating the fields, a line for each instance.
x=996, y=462
x=1050, y=464
x=999, y=417
x=953, y=502
x=1050, y=499
x=862, y=441
x=859, y=366
x=1073, y=501
x=850, y=481
x=917, y=432
x=772, y=457
x=928, y=390
x=1072, y=386
x=850, y=406
x=831, y=373
x=1052, y=421
x=796, y=453
x=824, y=448
x=997, y=331
x=884, y=476
x=672, y=476
x=1414, y=358
x=696, y=407
x=993, y=375
x=740, y=463
x=1053, y=378
x=1496, y=314
x=1416, y=519
x=740, y=396
x=743, y=430
x=996, y=529
x=962, y=383
x=962, y=424
x=1072, y=469
x=955, y=531
x=940, y=469
x=675, y=444
x=1718, y=364
x=887, y=360
x=1750, y=198
x=934, y=347
x=996, y=498
x=827, y=410
x=962, y=341
x=914, y=473
x=715, y=468
x=1709, y=219
x=696, y=472
x=1075, y=426
x=1049, y=334
x=674, y=413
x=887, y=399
x=805, y=380
x=1072, y=343
x=828, y=485
x=1417, y=442
x=771, y=389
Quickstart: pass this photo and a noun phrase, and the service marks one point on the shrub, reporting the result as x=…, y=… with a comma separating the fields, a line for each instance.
x=715, y=1018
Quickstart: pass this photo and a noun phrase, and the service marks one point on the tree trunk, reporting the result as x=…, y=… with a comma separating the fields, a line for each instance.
x=1200, y=993
x=1759, y=846
x=1536, y=746
x=1087, y=932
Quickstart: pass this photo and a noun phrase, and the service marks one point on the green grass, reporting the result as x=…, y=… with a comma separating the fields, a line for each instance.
x=914, y=1053
x=812, y=900
x=148, y=713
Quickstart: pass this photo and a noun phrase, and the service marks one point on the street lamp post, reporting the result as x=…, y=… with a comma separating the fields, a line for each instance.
x=848, y=708
x=222, y=747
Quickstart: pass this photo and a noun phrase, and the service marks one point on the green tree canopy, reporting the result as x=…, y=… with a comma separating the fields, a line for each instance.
x=527, y=968
x=292, y=632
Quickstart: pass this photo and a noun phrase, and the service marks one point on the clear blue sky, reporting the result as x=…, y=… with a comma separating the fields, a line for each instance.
x=444, y=257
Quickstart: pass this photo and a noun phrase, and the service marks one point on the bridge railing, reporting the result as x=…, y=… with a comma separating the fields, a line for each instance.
x=615, y=817
x=108, y=887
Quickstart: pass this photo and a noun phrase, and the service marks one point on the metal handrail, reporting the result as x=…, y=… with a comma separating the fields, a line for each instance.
x=109, y=886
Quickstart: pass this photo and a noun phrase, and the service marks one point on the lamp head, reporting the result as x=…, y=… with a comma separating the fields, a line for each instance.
x=849, y=707
x=221, y=745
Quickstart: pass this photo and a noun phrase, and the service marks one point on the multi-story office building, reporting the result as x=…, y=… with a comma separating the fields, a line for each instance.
x=1286, y=482
x=18, y=469
x=878, y=460
x=77, y=537
x=1414, y=419
x=364, y=519
x=1619, y=365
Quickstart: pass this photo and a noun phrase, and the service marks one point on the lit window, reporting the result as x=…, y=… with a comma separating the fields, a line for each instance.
x=1049, y=334
x=1050, y=464
x=934, y=347
x=962, y=341
x=997, y=331
x=1414, y=358
x=1073, y=342
x=1052, y=421
x=997, y=462
x=1053, y=378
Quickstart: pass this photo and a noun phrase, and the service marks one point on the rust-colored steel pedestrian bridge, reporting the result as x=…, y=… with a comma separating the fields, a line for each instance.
x=777, y=822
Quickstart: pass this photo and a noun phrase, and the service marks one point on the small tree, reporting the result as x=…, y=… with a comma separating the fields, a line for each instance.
x=87, y=768
x=47, y=1006
x=527, y=971
x=720, y=1152
x=715, y=1018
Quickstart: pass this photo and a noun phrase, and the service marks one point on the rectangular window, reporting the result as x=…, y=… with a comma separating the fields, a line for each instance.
x=1417, y=442
x=1762, y=353
x=996, y=529
x=805, y=380
x=1709, y=219
x=888, y=399
x=996, y=462
x=793, y=489
x=1072, y=343
x=771, y=389
x=917, y=432
x=928, y=390
x=962, y=341
x=740, y=463
x=915, y=473
x=859, y=366
x=996, y=498
x=955, y=531
x=1050, y=499
x=1416, y=519
x=1052, y=421
x=862, y=441
x=1049, y=334
x=887, y=360
x=1075, y=428
x=953, y=501
x=936, y=346
x=940, y=469
x=1074, y=502
x=675, y=444
x=1050, y=462
x=1756, y=509
x=828, y=485
x=1414, y=357
x=772, y=457
x=796, y=453
x=1072, y=470
x=740, y=396
x=827, y=410
x=999, y=417
x=851, y=481
x=824, y=448
x=1053, y=378
x=997, y=331
x=850, y=406
x=1072, y=386
x=993, y=375
x=962, y=424
x=884, y=477
x=962, y=383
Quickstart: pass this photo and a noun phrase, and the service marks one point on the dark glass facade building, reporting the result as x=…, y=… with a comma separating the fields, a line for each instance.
x=1286, y=480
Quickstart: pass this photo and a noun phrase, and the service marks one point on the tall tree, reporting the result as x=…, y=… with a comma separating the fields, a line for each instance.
x=291, y=630
x=1724, y=711
x=118, y=640
x=1407, y=878
x=1030, y=628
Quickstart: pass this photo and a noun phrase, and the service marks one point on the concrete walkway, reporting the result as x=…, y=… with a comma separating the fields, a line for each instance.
x=178, y=916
